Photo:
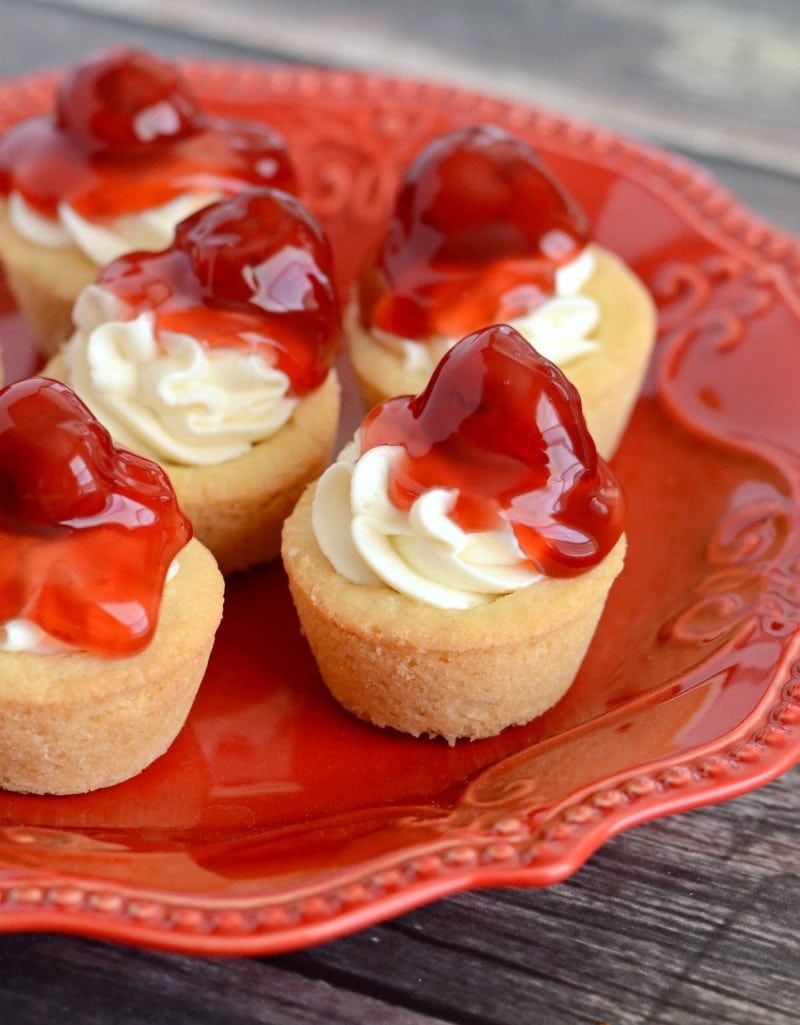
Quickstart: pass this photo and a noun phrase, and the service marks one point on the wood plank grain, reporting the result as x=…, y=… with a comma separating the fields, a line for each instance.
x=35, y=37
x=94, y=983
x=686, y=921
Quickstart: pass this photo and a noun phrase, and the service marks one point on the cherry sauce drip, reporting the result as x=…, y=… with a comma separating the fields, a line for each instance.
x=503, y=427
x=477, y=232
x=253, y=272
x=87, y=531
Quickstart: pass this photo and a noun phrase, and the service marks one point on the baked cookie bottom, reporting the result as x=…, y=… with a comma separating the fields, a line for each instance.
x=237, y=508
x=44, y=283
x=398, y=663
x=75, y=722
x=608, y=379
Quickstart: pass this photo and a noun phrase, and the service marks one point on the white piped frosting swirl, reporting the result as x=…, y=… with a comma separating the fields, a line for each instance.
x=561, y=328
x=170, y=397
x=423, y=553
x=150, y=230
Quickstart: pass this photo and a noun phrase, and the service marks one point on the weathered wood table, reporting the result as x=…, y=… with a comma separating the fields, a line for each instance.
x=693, y=918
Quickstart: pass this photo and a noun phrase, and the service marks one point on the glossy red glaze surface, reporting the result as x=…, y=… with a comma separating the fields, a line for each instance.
x=87, y=531
x=504, y=428
x=477, y=231
x=253, y=272
x=276, y=820
x=124, y=99
x=126, y=134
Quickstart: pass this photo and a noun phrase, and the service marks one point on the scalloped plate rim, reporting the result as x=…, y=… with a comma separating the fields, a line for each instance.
x=41, y=899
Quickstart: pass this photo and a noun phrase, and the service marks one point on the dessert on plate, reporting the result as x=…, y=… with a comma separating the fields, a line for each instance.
x=124, y=156
x=214, y=357
x=108, y=606
x=482, y=233
x=450, y=568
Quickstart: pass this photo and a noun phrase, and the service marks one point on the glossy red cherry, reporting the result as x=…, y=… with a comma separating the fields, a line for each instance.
x=87, y=531
x=123, y=99
x=52, y=457
x=252, y=270
x=261, y=247
x=254, y=153
x=478, y=229
x=128, y=136
x=503, y=426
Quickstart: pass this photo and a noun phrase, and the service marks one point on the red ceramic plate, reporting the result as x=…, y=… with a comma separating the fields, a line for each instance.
x=276, y=820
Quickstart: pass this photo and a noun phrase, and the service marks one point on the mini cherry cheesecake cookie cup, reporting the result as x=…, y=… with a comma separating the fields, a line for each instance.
x=124, y=156
x=215, y=358
x=450, y=569
x=482, y=233
x=108, y=606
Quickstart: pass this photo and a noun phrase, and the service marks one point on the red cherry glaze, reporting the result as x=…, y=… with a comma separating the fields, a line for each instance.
x=127, y=135
x=125, y=98
x=253, y=272
x=477, y=232
x=87, y=531
x=504, y=427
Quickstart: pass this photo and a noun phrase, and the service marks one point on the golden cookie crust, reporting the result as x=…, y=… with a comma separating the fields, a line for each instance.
x=44, y=283
x=75, y=722
x=608, y=379
x=396, y=662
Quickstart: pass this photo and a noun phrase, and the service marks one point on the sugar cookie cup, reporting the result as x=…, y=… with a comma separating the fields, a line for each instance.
x=43, y=283
x=449, y=569
x=237, y=507
x=108, y=606
x=215, y=359
x=123, y=155
x=608, y=378
x=465, y=673
x=74, y=722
